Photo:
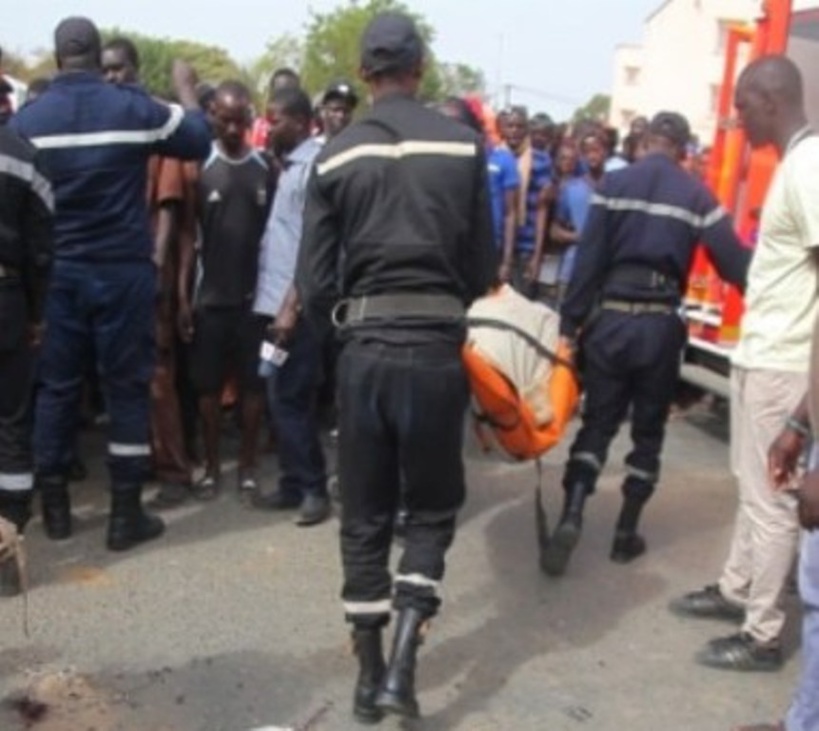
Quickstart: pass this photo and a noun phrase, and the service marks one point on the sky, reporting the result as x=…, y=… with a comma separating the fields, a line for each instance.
x=554, y=55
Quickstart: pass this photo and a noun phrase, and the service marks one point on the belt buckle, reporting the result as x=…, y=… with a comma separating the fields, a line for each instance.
x=338, y=311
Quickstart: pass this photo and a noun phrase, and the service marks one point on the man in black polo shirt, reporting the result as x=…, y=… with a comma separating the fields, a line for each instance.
x=233, y=198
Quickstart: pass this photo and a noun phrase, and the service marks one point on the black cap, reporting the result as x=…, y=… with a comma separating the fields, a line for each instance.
x=391, y=42
x=76, y=36
x=343, y=90
x=672, y=126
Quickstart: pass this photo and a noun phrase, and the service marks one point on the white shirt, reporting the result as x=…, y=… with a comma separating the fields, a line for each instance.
x=781, y=297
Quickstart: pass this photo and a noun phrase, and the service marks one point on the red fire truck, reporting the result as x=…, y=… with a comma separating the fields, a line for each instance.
x=740, y=178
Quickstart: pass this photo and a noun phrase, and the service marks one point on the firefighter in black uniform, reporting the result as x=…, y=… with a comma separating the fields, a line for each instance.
x=26, y=209
x=397, y=210
x=624, y=304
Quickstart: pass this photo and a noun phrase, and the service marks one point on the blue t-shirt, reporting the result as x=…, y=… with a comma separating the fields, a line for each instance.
x=540, y=178
x=503, y=177
x=573, y=204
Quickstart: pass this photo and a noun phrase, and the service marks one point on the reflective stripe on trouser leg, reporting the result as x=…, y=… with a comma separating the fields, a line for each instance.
x=61, y=369
x=124, y=340
x=583, y=468
x=16, y=411
x=365, y=551
x=639, y=484
x=417, y=583
x=16, y=481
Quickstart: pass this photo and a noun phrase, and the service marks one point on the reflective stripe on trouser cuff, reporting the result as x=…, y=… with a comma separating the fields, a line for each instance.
x=418, y=580
x=116, y=449
x=16, y=481
x=642, y=475
x=589, y=459
x=382, y=606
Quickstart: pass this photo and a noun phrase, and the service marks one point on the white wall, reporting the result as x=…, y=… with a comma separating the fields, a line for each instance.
x=681, y=60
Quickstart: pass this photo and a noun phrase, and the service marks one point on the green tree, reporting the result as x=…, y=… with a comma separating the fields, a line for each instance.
x=331, y=45
x=459, y=79
x=41, y=63
x=597, y=109
x=213, y=64
x=285, y=51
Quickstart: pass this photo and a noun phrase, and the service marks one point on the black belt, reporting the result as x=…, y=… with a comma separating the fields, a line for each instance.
x=7, y=272
x=405, y=306
x=644, y=277
x=639, y=308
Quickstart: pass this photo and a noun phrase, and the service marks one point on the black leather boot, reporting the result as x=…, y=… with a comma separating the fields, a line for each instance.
x=128, y=524
x=371, y=668
x=56, y=505
x=397, y=693
x=555, y=558
x=628, y=544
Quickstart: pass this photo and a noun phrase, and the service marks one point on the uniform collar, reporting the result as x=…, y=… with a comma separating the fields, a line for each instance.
x=78, y=77
x=394, y=98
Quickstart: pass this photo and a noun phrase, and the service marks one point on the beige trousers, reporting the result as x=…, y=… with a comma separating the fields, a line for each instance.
x=766, y=532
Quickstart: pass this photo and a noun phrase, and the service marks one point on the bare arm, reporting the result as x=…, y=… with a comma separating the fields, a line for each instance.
x=560, y=234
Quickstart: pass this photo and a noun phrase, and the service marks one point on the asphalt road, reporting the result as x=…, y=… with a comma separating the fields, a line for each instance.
x=231, y=622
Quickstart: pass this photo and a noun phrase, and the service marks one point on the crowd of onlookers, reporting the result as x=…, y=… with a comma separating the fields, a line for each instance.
x=221, y=229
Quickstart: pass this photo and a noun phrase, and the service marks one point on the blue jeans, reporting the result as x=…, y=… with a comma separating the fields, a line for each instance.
x=292, y=391
x=804, y=712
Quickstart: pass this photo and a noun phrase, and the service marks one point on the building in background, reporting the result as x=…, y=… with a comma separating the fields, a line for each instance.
x=679, y=64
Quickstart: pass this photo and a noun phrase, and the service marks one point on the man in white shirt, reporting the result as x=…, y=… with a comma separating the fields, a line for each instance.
x=769, y=374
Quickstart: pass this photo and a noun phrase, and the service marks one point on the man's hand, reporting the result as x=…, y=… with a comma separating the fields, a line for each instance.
x=566, y=348
x=184, y=80
x=783, y=458
x=809, y=501
x=282, y=328
x=532, y=272
x=184, y=322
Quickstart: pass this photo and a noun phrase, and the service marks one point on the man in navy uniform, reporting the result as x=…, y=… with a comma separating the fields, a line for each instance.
x=26, y=211
x=624, y=301
x=397, y=219
x=95, y=139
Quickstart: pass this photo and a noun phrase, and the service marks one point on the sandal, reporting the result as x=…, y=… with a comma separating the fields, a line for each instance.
x=207, y=488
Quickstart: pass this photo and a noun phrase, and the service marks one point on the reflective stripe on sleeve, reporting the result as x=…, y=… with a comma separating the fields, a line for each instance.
x=113, y=137
x=27, y=173
x=397, y=150
x=661, y=210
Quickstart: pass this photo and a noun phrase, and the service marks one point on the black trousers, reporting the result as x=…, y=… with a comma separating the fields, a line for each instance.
x=629, y=361
x=16, y=403
x=401, y=421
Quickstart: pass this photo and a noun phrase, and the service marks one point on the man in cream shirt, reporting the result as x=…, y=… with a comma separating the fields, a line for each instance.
x=769, y=374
